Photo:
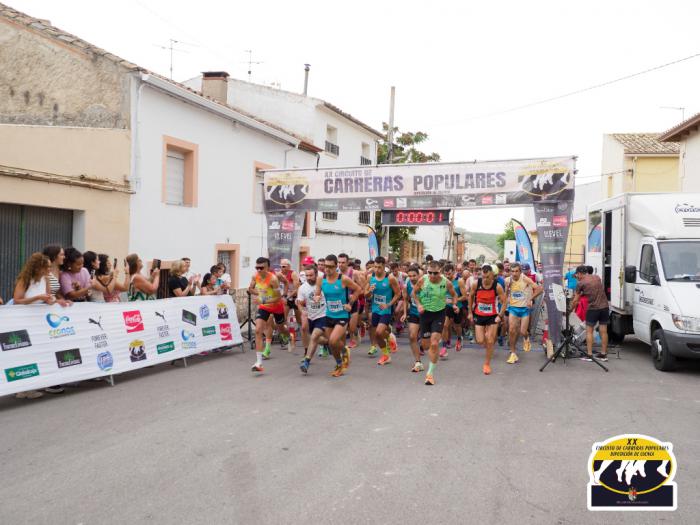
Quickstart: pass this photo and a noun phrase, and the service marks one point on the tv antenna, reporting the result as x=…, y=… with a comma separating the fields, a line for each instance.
x=171, y=47
x=682, y=110
x=250, y=64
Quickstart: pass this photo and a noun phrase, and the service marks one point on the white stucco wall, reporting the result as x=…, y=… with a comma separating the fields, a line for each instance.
x=613, y=162
x=224, y=214
x=690, y=163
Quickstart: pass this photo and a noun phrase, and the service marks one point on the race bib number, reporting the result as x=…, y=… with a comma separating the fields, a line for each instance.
x=485, y=308
x=334, y=306
x=380, y=300
x=518, y=296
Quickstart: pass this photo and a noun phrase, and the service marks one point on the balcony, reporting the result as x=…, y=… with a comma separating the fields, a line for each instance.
x=364, y=161
x=333, y=149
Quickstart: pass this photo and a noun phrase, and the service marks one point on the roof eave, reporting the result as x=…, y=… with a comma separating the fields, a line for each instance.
x=348, y=116
x=215, y=107
x=685, y=128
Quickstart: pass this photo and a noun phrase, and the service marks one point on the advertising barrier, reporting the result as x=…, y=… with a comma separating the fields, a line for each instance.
x=43, y=345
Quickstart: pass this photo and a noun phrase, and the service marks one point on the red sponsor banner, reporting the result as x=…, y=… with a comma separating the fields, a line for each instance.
x=389, y=203
x=487, y=199
x=133, y=321
x=225, y=331
x=560, y=221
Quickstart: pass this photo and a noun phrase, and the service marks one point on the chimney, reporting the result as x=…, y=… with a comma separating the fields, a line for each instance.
x=215, y=85
x=306, y=78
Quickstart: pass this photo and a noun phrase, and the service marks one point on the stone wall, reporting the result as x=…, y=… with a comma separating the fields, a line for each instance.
x=59, y=81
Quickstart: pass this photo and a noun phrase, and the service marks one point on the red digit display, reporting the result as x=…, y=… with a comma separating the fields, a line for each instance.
x=415, y=217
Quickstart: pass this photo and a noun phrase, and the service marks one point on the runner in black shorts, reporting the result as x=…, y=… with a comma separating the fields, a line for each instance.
x=411, y=316
x=430, y=293
x=483, y=298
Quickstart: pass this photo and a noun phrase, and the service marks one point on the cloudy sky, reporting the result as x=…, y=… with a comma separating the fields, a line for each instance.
x=458, y=67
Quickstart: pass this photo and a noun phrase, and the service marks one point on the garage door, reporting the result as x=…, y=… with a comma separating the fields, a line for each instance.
x=25, y=230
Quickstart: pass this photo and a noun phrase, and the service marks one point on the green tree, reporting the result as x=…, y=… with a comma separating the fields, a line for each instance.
x=405, y=150
x=507, y=235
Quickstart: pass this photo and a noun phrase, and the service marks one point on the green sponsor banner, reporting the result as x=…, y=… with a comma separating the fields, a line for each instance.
x=165, y=347
x=21, y=372
x=209, y=330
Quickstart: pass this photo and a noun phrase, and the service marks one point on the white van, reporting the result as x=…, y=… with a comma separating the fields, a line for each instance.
x=646, y=249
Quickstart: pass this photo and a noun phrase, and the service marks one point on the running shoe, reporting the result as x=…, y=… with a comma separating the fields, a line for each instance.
x=600, y=356
x=443, y=352
x=339, y=371
x=429, y=380
x=345, y=355
x=487, y=369
x=587, y=358
x=527, y=345
x=384, y=360
x=266, y=351
x=257, y=368
x=458, y=344
x=512, y=359
x=372, y=351
x=322, y=351
x=304, y=366
x=352, y=344
x=500, y=340
x=392, y=344
x=418, y=367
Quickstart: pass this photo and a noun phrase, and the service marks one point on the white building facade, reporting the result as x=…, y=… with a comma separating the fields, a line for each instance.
x=340, y=139
x=195, y=168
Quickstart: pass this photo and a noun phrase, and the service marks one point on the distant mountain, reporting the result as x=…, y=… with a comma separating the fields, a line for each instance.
x=487, y=239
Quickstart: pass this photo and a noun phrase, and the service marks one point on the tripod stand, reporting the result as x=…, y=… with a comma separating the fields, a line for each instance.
x=568, y=347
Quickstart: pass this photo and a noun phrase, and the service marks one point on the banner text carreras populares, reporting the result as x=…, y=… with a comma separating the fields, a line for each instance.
x=44, y=345
x=421, y=186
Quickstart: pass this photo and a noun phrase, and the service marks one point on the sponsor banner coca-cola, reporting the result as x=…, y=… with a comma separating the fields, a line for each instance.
x=42, y=346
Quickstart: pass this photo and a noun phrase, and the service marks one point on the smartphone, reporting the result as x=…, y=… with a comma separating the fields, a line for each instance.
x=156, y=264
x=92, y=273
x=114, y=266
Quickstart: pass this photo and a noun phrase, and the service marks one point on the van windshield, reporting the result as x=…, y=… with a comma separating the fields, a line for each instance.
x=681, y=260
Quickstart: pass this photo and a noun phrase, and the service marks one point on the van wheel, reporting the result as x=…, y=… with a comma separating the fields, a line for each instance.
x=663, y=360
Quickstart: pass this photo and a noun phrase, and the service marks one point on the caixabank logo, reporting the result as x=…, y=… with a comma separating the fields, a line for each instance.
x=632, y=472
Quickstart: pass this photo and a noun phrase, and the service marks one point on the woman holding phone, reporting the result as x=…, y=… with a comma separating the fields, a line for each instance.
x=109, y=287
x=141, y=288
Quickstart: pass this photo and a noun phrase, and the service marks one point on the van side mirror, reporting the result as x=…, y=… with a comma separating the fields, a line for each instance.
x=630, y=274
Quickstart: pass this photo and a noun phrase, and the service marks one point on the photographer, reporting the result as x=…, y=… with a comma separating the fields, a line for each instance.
x=591, y=287
x=140, y=287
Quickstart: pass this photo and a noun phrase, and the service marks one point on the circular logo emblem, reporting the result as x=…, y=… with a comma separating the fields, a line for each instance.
x=286, y=189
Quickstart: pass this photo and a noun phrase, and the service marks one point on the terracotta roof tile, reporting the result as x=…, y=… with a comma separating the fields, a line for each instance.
x=645, y=144
x=685, y=128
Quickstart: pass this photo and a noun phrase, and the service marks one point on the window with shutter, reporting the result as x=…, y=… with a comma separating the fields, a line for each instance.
x=175, y=178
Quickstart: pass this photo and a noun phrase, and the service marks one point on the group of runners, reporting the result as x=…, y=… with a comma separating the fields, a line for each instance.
x=334, y=299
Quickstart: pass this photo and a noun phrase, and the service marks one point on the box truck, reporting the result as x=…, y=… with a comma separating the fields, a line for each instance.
x=646, y=249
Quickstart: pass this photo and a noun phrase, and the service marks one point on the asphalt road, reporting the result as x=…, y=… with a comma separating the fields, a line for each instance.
x=212, y=444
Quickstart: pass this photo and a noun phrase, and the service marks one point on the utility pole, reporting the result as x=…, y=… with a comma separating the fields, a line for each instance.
x=386, y=230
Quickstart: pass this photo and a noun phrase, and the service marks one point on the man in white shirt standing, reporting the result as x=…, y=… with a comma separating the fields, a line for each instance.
x=315, y=314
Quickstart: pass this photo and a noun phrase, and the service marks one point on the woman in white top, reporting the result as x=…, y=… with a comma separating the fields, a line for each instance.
x=56, y=257
x=33, y=284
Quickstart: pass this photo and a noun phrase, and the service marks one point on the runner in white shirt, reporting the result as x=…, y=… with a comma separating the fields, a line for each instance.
x=315, y=314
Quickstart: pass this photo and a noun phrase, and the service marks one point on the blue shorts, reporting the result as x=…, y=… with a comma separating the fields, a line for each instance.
x=319, y=323
x=378, y=319
x=519, y=311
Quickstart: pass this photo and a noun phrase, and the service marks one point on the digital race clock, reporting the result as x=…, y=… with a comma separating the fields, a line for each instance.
x=415, y=217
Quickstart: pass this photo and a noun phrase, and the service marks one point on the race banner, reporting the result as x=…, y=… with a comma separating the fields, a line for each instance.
x=284, y=236
x=552, y=219
x=43, y=345
x=421, y=186
x=523, y=245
